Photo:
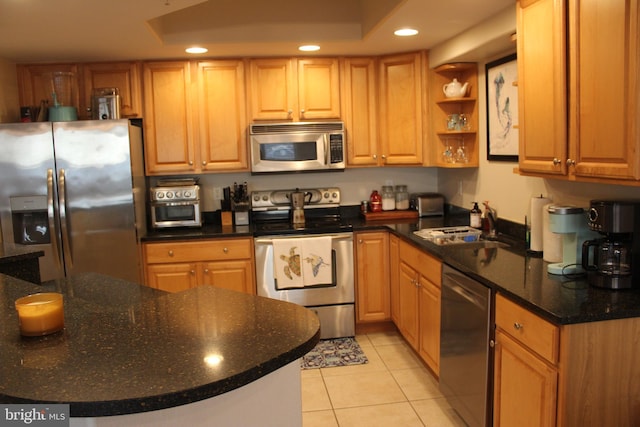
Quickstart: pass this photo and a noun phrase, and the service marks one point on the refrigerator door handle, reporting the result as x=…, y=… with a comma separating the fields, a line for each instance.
x=55, y=241
x=66, y=235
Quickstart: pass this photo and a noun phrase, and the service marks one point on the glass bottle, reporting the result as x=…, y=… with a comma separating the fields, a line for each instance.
x=375, y=201
x=388, y=198
x=402, y=197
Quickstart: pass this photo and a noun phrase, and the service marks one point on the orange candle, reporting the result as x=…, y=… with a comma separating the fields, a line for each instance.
x=40, y=314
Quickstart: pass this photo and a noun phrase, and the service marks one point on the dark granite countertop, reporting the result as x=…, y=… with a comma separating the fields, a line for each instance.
x=510, y=271
x=524, y=279
x=128, y=348
x=10, y=254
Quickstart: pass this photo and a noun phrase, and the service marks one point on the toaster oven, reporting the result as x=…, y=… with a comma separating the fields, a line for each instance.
x=427, y=204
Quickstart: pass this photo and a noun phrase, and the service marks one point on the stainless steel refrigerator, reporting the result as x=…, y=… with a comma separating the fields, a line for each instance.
x=75, y=190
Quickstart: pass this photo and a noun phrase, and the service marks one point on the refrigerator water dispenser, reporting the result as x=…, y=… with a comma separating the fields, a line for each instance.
x=30, y=221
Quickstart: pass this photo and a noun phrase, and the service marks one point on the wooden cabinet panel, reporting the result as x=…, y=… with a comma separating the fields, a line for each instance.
x=360, y=112
x=225, y=263
x=604, y=46
x=222, y=115
x=123, y=75
x=169, y=134
x=172, y=277
x=542, y=82
x=408, y=304
x=34, y=82
x=232, y=275
x=373, y=298
x=524, y=386
x=272, y=89
x=401, y=108
x=318, y=88
x=534, y=332
x=394, y=277
x=429, y=341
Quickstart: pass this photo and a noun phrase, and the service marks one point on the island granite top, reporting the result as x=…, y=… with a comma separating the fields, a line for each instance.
x=128, y=348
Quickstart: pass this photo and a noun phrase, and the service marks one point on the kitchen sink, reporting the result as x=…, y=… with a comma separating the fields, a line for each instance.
x=462, y=236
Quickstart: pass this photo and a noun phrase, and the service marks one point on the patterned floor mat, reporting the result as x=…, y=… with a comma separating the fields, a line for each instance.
x=334, y=352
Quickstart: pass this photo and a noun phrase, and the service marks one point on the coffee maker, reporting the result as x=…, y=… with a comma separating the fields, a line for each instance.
x=613, y=261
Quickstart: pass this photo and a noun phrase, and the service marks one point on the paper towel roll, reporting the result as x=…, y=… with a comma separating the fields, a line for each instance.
x=537, y=205
x=551, y=242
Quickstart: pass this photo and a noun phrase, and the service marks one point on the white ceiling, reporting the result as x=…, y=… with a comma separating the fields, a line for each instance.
x=113, y=30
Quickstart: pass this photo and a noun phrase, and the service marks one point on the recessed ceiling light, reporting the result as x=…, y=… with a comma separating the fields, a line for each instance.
x=309, y=48
x=405, y=32
x=196, y=50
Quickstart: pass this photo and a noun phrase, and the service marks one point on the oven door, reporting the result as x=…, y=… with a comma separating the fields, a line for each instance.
x=175, y=214
x=340, y=291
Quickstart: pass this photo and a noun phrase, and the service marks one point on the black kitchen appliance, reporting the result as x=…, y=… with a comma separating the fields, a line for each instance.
x=613, y=262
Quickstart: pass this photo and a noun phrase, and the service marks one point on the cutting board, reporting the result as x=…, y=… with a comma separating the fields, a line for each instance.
x=391, y=215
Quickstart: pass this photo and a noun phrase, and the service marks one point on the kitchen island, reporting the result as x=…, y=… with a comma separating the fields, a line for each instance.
x=132, y=355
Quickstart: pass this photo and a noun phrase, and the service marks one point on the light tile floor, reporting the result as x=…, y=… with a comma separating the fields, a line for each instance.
x=393, y=389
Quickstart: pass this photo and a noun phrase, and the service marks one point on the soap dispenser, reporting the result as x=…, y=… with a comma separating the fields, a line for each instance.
x=475, y=216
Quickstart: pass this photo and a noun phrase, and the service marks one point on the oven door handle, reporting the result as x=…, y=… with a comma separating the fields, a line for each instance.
x=304, y=236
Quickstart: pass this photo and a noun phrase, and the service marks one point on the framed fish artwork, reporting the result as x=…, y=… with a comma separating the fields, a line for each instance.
x=502, y=109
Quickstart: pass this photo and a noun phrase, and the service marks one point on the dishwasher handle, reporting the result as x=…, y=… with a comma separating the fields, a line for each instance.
x=452, y=282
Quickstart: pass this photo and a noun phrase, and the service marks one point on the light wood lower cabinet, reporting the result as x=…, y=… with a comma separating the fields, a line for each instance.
x=373, y=299
x=419, y=294
x=180, y=265
x=573, y=375
x=526, y=373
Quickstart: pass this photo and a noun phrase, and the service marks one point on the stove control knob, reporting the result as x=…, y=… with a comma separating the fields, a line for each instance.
x=265, y=198
x=178, y=194
x=326, y=195
x=159, y=195
x=187, y=194
x=335, y=195
x=169, y=195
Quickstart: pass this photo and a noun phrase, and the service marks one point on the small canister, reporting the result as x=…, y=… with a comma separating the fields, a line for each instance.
x=364, y=206
x=388, y=198
x=402, y=197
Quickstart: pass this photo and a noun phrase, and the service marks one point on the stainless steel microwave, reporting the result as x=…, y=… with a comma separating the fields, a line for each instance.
x=297, y=147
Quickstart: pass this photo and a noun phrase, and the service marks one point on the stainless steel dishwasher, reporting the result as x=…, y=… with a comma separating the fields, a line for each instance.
x=465, y=353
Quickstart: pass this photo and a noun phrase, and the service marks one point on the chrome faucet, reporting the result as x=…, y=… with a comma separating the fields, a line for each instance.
x=492, y=218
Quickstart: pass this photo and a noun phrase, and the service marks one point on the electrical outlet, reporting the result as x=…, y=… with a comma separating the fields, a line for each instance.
x=217, y=193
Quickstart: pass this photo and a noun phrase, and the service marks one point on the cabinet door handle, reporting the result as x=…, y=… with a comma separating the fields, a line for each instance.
x=302, y=112
x=190, y=162
x=571, y=162
x=556, y=161
x=517, y=326
x=193, y=272
x=384, y=156
x=225, y=250
x=170, y=253
x=204, y=163
x=206, y=271
x=375, y=157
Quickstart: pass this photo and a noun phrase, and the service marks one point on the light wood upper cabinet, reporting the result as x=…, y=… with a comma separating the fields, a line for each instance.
x=402, y=98
x=542, y=82
x=195, y=117
x=604, y=40
x=372, y=279
x=360, y=114
x=122, y=75
x=318, y=88
x=34, y=82
x=222, y=115
x=170, y=136
x=599, y=98
x=294, y=89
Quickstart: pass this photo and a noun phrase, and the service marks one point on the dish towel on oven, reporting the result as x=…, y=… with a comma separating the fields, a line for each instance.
x=316, y=261
x=300, y=262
